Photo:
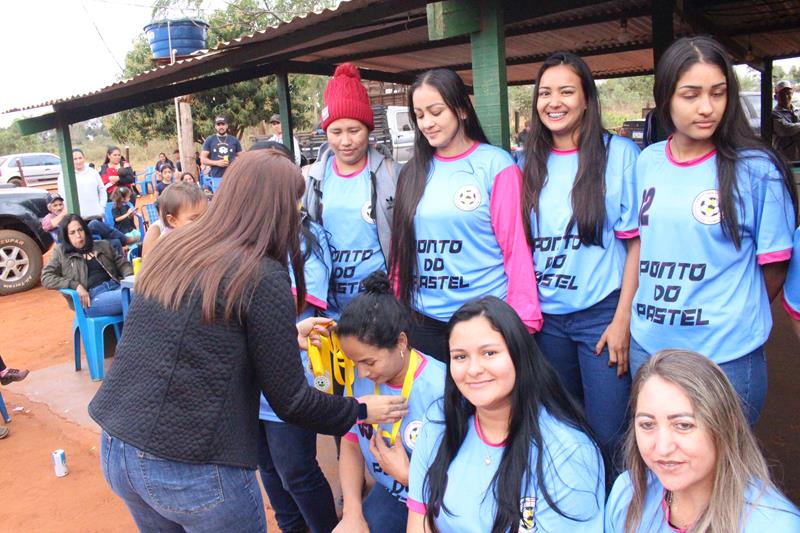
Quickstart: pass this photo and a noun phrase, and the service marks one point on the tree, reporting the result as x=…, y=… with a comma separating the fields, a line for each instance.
x=245, y=103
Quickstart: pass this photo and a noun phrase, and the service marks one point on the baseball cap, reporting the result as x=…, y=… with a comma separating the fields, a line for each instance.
x=220, y=119
x=275, y=118
x=783, y=84
x=52, y=197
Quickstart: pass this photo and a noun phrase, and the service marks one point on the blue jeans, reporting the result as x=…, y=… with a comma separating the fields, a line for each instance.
x=568, y=342
x=115, y=237
x=106, y=299
x=383, y=512
x=170, y=496
x=295, y=485
x=747, y=374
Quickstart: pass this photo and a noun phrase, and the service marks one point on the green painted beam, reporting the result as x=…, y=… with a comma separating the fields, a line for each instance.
x=285, y=107
x=64, y=142
x=766, y=102
x=451, y=18
x=490, y=82
x=28, y=126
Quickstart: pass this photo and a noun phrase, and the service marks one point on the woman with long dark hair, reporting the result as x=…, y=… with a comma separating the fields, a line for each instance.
x=511, y=451
x=580, y=209
x=457, y=230
x=716, y=221
x=373, y=331
x=693, y=463
x=212, y=324
x=109, y=171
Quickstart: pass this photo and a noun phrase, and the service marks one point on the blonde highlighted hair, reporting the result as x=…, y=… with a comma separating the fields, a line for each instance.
x=718, y=409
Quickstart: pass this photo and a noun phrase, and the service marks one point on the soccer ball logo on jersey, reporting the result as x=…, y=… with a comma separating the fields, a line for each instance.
x=527, y=510
x=468, y=198
x=705, y=207
x=366, y=212
x=411, y=433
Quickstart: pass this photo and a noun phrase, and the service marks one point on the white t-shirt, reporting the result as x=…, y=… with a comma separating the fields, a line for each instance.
x=296, y=147
x=92, y=196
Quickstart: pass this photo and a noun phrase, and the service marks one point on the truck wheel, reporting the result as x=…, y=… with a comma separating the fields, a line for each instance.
x=20, y=262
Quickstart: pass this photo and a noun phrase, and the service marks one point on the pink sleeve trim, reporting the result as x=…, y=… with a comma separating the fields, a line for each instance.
x=313, y=300
x=351, y=437
x=790, y=310
x=775, y=257
x=506, y=213
x=630, y=234
x=415, y=506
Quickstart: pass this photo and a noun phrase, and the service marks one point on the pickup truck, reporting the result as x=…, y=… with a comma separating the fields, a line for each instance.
x=23, y=242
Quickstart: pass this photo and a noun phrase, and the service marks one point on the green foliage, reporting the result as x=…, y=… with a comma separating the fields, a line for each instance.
x=624, y=99
x=12, y=141
x=246, y=103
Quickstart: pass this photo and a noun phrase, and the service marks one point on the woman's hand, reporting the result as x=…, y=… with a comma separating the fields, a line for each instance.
x=352, y=523
x=384, y=409
x=313, y=327
x=394, y=460
x=113, y=179
x=618, y=338
x=83, y=296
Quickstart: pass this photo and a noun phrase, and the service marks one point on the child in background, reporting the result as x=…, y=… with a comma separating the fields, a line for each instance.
x=166, y=179
x=180, y=204
x=124, y=213
x=188, y=177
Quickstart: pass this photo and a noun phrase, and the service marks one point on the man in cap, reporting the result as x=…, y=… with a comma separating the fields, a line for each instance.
x=277, y=136
x=785, y=123
x=220, y=149
x=57, y=213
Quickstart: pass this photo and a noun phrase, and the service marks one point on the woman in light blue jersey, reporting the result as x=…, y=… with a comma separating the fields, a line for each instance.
x=580, y=209
x=716, y=220
x=373, y=332
x=693, y=463
x=511, y=451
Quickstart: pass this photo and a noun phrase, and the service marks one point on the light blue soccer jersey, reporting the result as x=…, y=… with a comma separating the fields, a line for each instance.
x=696, y=290
x=459, y=251
x=428, y=387
x=764, y=512
x=316, y=271
x=791, y=287
x=573, y=475
x=352, y=234
x=573, y=276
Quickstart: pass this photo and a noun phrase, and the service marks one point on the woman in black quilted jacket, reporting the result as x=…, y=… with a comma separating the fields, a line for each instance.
x=212, y=324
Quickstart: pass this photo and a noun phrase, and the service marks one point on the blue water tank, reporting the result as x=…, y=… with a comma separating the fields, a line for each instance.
x=185, y=36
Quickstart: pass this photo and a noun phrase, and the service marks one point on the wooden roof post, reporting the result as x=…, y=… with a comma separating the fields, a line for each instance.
x=766, y=101
x=67, y=167
x=285, y=107
x=483, y=20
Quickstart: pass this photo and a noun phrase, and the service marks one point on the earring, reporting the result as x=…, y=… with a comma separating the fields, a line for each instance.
x=402, y=356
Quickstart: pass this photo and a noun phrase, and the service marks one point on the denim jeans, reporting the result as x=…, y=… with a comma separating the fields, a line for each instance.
x=295, y=485
x=106, y=299
x=568, y=342
x=170, y=496
x=383, y=512
x=115, y=237
x=747, y=374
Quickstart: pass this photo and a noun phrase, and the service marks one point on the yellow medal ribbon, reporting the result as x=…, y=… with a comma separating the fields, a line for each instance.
x=405, y=392
x=328, y=362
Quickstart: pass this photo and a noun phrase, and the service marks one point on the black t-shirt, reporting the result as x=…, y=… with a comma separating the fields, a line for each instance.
x=97, y=274
x=124, y=225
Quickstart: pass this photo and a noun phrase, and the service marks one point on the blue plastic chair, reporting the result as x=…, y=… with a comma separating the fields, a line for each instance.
x=150, y=212
x=3, y=410
x=108, y=218
x=145, y=184
x=91, y=330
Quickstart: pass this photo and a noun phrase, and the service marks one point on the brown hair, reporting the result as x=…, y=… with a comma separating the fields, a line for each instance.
x=254, y=215
x=176, y=196
x=718, y=409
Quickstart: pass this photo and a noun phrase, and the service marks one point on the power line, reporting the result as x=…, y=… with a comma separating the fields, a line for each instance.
x=121, y=69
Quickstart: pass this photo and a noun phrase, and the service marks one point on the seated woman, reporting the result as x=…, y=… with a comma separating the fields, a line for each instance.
x=93, y=268
x=373, y=330
x=512, y=451
x=693, y=463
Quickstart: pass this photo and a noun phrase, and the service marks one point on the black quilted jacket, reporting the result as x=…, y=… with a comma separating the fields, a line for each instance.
x=187, y=390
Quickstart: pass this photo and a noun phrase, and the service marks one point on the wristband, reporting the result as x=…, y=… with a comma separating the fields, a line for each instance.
x=362, y=412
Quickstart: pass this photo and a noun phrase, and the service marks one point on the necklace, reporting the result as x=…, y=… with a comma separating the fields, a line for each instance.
x=487, y=459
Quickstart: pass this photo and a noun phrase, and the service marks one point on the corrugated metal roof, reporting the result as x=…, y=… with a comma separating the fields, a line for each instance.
x=391, y=37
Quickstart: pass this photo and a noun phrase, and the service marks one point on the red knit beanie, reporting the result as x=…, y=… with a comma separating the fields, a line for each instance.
x=346, y=97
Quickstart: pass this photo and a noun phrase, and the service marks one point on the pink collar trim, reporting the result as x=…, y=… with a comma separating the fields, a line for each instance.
x=459, y=156
x=691, y=162
x=557, y=151
x=423, y=362
x=665, y=508
x=480, y=434
x=352, y=174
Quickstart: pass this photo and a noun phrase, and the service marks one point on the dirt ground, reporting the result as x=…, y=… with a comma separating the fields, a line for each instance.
x=34, y=330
